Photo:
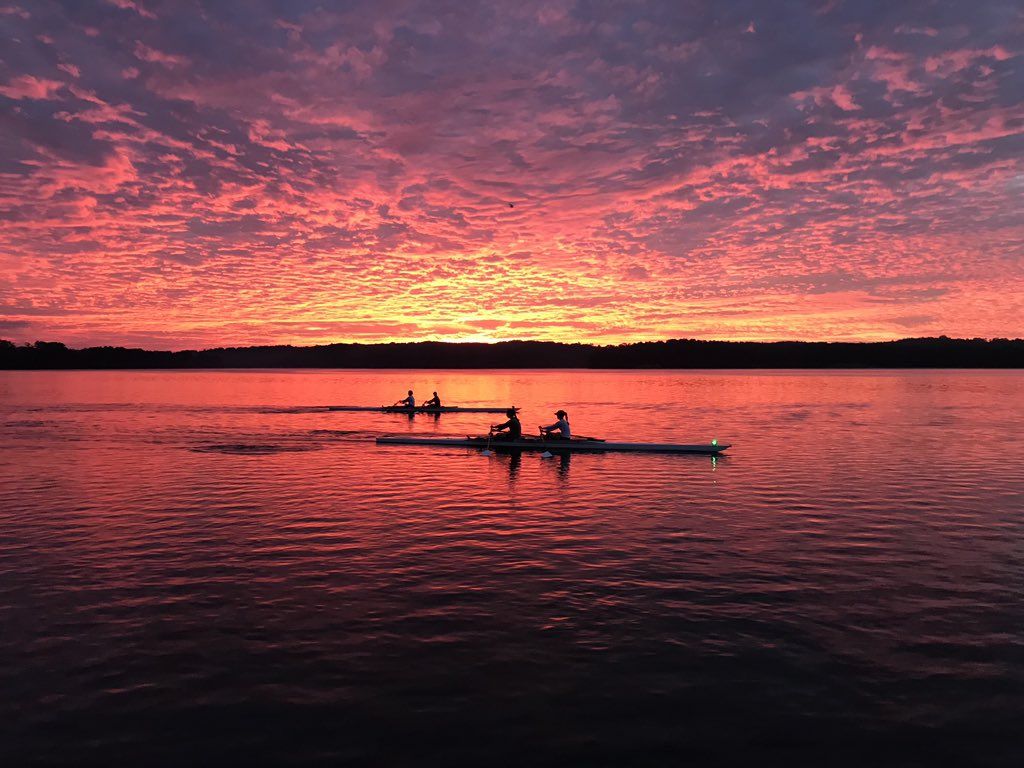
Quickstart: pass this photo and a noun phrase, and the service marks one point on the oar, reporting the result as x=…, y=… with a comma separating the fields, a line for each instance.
x=487, y=451
x=577, y=437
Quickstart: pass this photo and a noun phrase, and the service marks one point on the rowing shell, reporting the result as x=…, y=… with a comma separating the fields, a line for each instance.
x=592, y=446
x=399, y=409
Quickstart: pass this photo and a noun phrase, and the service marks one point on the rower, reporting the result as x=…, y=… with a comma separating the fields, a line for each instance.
x=561, y=427
x=434, y=402
x=511, y=429
x=408, y=402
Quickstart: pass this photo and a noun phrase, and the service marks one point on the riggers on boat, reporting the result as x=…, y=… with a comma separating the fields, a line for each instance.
x=406, y=409
x=587, y=444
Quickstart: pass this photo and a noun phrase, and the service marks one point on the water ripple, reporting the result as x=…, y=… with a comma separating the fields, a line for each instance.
x=196, y=563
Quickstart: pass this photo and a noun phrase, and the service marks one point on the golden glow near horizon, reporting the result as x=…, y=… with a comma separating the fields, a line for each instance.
x=526, y=171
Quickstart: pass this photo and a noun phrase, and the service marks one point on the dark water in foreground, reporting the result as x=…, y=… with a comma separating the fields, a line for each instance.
x=198, y=567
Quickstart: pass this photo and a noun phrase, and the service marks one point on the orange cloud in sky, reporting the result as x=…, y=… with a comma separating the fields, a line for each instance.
x=402, y=171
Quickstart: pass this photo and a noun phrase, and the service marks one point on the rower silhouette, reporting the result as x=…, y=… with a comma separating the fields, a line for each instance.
x=407, y=402
x=561, y=427
x=511, y=430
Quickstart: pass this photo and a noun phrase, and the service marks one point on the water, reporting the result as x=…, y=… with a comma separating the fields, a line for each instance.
x=208, y=566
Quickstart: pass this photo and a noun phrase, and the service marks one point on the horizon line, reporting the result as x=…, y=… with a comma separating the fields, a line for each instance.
x=496, y=342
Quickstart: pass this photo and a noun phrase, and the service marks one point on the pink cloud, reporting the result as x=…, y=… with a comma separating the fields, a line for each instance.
x=144, y=53
x=893, y=68
x=843, y=99
x=29, y=87
x=955, y=61
x=130, y=5
x=837, y=94
x=13, y=10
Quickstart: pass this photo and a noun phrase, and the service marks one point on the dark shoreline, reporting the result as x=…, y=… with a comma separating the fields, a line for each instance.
x=941, y=352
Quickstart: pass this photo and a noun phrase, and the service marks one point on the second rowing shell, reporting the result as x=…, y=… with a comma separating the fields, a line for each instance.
x=399, y=409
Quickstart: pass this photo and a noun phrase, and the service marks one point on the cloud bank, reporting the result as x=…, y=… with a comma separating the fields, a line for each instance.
x=179, y=174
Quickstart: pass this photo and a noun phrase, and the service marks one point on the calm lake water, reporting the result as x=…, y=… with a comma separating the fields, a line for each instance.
x=203, y=567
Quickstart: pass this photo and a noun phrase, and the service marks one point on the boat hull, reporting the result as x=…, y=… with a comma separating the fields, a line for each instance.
x=390, y=409
x=584, y=446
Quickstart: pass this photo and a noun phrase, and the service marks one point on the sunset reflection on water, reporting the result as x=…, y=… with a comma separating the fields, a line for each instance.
x=212, y=563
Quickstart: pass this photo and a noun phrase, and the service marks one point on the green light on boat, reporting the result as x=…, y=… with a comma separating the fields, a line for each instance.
x=715, y=441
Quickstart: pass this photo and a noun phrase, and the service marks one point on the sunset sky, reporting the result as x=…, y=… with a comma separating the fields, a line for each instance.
x=190, y=174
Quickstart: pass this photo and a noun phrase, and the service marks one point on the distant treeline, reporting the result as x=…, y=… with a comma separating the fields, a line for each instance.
x=939, y=352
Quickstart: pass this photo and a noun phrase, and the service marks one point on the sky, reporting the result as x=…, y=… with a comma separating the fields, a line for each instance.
x=193, y=174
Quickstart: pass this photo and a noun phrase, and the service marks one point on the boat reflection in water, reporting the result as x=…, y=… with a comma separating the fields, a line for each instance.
x=562, y=460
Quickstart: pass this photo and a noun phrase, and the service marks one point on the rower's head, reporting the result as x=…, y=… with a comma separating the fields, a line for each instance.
x=561, y=414
x=511, y=413
x=410, y=391
x=435, y=394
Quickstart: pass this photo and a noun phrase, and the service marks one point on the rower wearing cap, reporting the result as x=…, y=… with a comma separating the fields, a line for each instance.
x=434, y=402
x=511, y=429
x=561, y=427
